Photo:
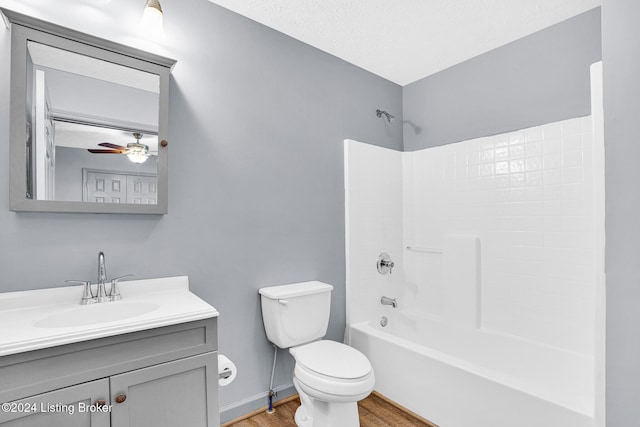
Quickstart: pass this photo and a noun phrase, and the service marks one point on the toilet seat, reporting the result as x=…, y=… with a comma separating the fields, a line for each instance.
x=333, y=371
x=332, y=359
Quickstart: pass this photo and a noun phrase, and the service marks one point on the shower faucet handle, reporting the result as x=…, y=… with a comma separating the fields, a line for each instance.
x=384, y=264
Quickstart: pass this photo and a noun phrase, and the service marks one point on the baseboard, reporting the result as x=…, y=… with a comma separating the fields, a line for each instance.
x=254, y=403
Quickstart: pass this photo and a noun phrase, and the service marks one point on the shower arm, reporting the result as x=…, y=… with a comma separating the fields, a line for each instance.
x=390, y=118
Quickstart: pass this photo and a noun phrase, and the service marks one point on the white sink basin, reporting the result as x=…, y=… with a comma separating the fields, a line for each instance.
x=92, y=314
x=43, y=318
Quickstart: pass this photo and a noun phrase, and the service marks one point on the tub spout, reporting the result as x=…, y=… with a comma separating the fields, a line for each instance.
x=389, y=301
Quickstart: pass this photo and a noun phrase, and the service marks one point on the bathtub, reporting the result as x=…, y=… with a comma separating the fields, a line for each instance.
x=477, y=378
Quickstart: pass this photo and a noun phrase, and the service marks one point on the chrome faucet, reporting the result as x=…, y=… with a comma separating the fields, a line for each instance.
x=102, y=278
x=101, y=294
x=389, y=301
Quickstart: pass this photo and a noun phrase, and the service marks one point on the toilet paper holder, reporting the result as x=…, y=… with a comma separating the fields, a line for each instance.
x=227, y=370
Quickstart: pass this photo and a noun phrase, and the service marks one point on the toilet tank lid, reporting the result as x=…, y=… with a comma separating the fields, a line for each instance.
x=295, y=289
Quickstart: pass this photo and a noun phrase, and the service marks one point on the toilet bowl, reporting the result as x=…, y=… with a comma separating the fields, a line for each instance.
x=330, y=377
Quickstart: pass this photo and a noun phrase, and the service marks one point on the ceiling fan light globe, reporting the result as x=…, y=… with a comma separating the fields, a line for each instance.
x=138, y=157
x=137, y=153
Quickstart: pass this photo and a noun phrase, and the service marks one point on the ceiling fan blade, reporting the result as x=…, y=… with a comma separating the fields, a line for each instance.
x=95, y=151
x=110, y=145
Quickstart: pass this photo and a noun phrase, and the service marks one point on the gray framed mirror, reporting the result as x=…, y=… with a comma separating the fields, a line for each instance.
x=89, y=122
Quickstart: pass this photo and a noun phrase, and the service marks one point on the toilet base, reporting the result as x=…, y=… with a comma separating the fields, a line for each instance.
x=345, y=416
x=301, y=418
x=316, y=413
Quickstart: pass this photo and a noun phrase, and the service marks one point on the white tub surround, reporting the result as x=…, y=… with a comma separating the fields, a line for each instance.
x=50, y=317
x=373, y=194
x=528, y=196
x=498, y=250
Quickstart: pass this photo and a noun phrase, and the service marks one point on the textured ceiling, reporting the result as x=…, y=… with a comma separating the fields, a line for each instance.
x=406, y=40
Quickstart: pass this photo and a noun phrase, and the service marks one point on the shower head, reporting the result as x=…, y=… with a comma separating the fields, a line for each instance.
x=391, y=119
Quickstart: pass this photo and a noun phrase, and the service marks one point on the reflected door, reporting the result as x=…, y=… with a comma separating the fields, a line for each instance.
x=105, y=188
x=142, y=190
x=114, y=187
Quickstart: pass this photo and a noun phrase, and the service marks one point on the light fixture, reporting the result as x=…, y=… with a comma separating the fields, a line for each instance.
x=152, y=19
x=137, y=152
x=138, y=157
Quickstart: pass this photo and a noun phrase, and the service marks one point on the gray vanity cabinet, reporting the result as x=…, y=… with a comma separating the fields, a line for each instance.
x=163, y=377
x=40, y=411
x=168, y=395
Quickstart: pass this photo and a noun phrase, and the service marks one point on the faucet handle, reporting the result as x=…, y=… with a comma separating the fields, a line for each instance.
x=87, y=294
x=389, y=264
x=114, y=292
x=384, y=264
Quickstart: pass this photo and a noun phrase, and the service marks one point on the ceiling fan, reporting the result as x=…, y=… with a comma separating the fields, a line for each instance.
x=136, y=151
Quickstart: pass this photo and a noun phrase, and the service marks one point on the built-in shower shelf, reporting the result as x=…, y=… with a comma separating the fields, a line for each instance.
x=425, y=249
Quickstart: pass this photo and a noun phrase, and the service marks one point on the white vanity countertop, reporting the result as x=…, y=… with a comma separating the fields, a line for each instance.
x=36, y=319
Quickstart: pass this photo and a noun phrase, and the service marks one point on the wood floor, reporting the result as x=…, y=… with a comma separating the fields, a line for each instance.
x=375, y=411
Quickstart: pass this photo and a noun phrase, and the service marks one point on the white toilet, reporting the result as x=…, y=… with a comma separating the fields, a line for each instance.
x=330, y=377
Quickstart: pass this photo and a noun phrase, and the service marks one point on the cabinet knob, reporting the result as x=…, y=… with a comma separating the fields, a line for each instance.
x=121, y=397
x=100, y=402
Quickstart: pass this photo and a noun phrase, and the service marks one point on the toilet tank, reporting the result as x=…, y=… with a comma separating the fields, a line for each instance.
x=296, y=314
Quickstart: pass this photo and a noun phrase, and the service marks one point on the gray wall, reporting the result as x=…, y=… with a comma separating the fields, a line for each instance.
x=257, y=123
x=621, y=65
x=538, y=79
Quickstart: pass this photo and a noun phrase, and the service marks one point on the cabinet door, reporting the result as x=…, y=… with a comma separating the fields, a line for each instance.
x=67, y=407
x=179, y=393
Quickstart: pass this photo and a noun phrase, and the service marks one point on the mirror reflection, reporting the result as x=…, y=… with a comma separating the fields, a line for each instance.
x=91, y=129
